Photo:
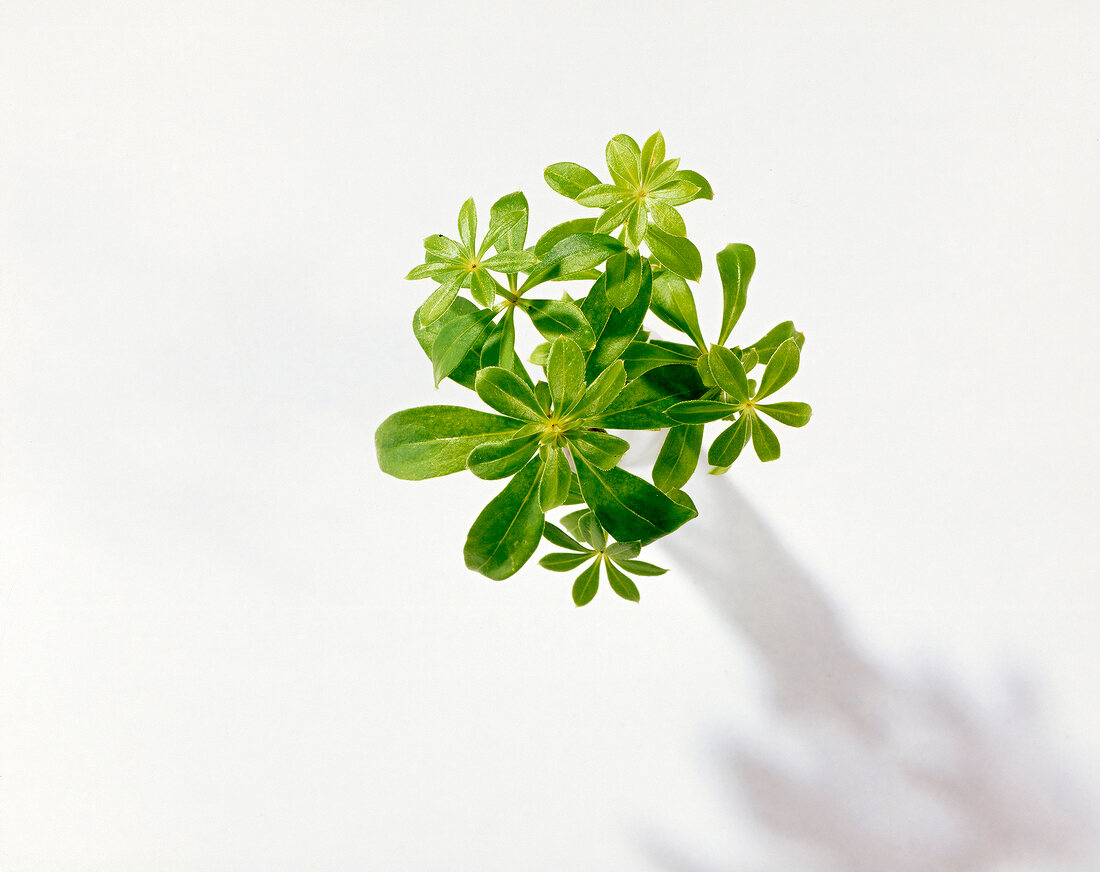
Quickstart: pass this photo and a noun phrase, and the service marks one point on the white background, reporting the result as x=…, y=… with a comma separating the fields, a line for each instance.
x=230, y=643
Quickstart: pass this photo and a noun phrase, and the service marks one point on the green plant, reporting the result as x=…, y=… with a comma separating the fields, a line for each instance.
x=598, y=370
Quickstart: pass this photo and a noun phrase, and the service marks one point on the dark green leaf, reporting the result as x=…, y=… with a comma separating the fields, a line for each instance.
x=643, y=403
x=640, y=567
x=780, y=369
x=565, y=372
x=586, y=585
x=592, y=531
x=429, y=441
x=556, y=474
x=603, y=391
x=564, y=562
x=736, y=263
x=509, y=529
x=499, y=348
x=554, y=318
x=628, y=507
x=614, y=329
x=556, y=234
x=729, y=373
x=557, y=536
x=506, y=392
x=674, y=304
x=620, y=583
x=764, y=440
x=569, y=179
x=641, y=357
x=602, y=450
x=791, y=414
x=678, y=253
x=516, y=235
x=775, y=337
x=678, y=457
x=457, y=337
x=493, y=460
x=575, y=253
x=700, y=411
x=682, y=499
x=728, y=446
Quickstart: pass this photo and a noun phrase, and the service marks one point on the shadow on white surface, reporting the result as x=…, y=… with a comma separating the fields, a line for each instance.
x=868, y=771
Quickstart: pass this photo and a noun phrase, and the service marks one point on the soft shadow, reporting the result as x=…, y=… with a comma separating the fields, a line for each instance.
x=869, y=771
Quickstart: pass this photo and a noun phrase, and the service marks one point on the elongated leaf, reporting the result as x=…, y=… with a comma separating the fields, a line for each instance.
x=554, y=318
x=569, y=179
x=653, y=154
x=593, y=532
x=440, y=299
x=628, y=507
x=667, y=218
x=430, y=441
x=621, y=583
x=557, y=536
x=554, y=485
x=506, y=392
x=613, y=216
x=624, y=160
x=493, y=460
x=640, y=567
x=603, y=391
x=565, y=372
x=764, y=440
x=499, y=225
x=467, y=224
x=575, y=253
x=438, y=245
x=456, y=339
x=601, y=196
x=483, y=287
x=542, y=394
x=624, y=278
x=791, y=414
x=765, y=347
x=586, y=585
x=676, y=192
x=736, y=263
x=466, y=371
x=515, y=236
x=728, y=446
x=674, y=304
x=572, y=523
x=509, y=529
x=700, y=411
x=614, y=329
x=704, y=192
x=499, y=349
x=641, y=357
x=540, y=354
x=435, y=269
x=780, y=369
x=602, y=450
x=564, y=562
x=662, y=174
x=678, y=457
x=677, y=253
x=562, y=231
x=728, y=373
x=623, y=551
x=511, y=261
x=643, y=403
x=637, y=222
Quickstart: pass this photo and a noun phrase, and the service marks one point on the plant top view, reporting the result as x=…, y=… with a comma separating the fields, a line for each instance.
x=599, y=370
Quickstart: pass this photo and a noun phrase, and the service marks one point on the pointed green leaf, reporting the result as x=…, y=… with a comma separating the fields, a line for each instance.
x=602, y=450
x=620, y=583
x=780, y=333
x=730, y=442
x=791, y=414
x=780, y=369
x=456, y=339
x=430, y=441
x=677, y=253
x=601, y=196
x=569, y=179
x=637, y=222
x=678, y=457
x=565, y=372
x=542, y=394
x=614, y=329
x=554, y=485
x=613, y=216
x=483, y=287
x=662, y=174
x=506, y=392
x=499, y=348
x=572, y=523
x=499, y=225
x=700, y=411
x=515, y=236
x=554, y=318
x=653, y=154
x=466, y=371
x=586, y=585
x=564, y=562
x=444, y=247
x=436, y=270
x=623, y=551
x=557, y=536
x=729, y=373
x=666, y=218
x=440, y=299
x=676, y=192
x=509, y=529
x=624, y=278
x=628, y=507
x=624, y=160
x=540, y=354
x=643, y=403
x=592, y=531
x=511, y=261
x=641, y=357
x=736, y=263
x=575, y=253
x=764, y=440
x=467, y=224
x=640, y=567
x=562, y=231
x=704, y=192
x=603, y=391
x=674, y=304
x=493, y=460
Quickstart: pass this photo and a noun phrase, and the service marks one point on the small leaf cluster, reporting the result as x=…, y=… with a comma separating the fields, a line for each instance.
x=599, y=370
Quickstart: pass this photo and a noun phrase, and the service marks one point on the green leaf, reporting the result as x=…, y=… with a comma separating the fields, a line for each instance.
x=780, y=369
x=640, y=567
x=704, y=192
x=666, y=218
x=662, y=174
x=511, y=261
x=641, y=357
x=791, y=414
x=628, y=507
x=556, y=475
x=677, y=253
x=600, y=196
x=637, y=222
x=575, y=253
x=653, y=153
x=764, y=440
x=499, y=348
x=493, y=460
x=603, y=391
x=677, y=192
x=467, y=224
x=565, y=372
x=506, y=392
x=736, y=263
x=602, y=450
x=682, y=499
x=509, y=529
x=564, y=562
x=516, y=234
x=592, y=531
x=678, y=457
x=624, y=278
x=542, y=394
x=483, y=287
x=749, y=358
x=540, y=354
x=433, y=270
x=613, y=216
x=586, y=585
x=623, y=551
x=624, y=160
x=569, y=179
x=780, y=333
x=444, y=247
x=572, y=523
x=557, y=536
x=457, y=337
x=674, y=304
x=728, y=446
x=466, y=371
x=620, y=583
x=430, y=441
x=500, y=224
x=562, y=231
x=729, y=373
x=643, y=403
x=614, y=329
x=440, y=299
x=700, y=411
x=554, y=318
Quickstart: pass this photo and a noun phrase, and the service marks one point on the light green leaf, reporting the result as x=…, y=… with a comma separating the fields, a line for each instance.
x=624, y=278
x=602, y=450
x=466, y=371
x=557, y=536
x=499, y=225
x=643, y=403
x=494, y=460
x=637, y=222
x=575, y=253
x=780, y=333
x=483, y=287
x=443, y=247
x=558, y=562
x=675, y=193
x=467, y=224
x=603, y=391
x=764, y=440
x=628, y=507
x=666, y=218
x=511, y=261
x=620, y=583
x=565, y=372
x=677, y=253
x=678, y=457
x=729, y=373
x=556, y=475
x=569, y=179
x=516, y=234
x=700, y=411
x=440, y=299
x=542, y=394
x=540, y=354
x=640, y=567
x=623, y=551
x=572, y=523
x=559, y=232
x=727, y=447
x=456, y=339
x=653, y=153
x=674, y=304
x=704, y=192
x=624, y=160
x=430, y=441
x=736, y=263
x=434, y=270
x=499, y=348
x=600, y=196
x=613, y=216
x=586, y=585
x=506, y=392
x=554, y=318
x=591, y=530
x=509, y=529
x=780, y=369
x=662, y=174
x=641, y=357
x=791, y=414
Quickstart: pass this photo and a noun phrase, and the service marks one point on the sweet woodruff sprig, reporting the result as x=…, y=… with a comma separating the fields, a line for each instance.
x=599, y=370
